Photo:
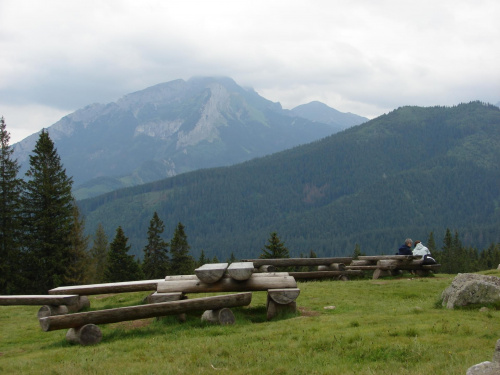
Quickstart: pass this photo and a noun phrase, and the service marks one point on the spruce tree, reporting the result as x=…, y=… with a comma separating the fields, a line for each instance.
x=156, y=263
x=48, y=211
x=78, y=271
x=181, y=263
x=10, y=217
x=202, y=259
x=275, y=248
x=99, y=255
x=121, y=266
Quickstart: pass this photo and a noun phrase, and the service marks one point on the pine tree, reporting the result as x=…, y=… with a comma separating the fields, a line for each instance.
x=202, y=259
x=121, y=266
x=431, y=244
x=48, y=211
x=274, y=249
x=78, y=271
x=10, y=217
x=156, y=262
x=99, y=255
x=181, y=263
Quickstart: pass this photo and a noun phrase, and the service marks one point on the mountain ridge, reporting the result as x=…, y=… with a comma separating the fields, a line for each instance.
x=172, y=128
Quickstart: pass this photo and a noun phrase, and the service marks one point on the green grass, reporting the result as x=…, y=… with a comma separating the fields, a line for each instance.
x=388, y=326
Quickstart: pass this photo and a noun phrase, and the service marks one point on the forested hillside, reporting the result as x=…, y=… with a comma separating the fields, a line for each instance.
x=404, y=174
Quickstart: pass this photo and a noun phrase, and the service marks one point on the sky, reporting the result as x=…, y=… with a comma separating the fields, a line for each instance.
x=361, y=56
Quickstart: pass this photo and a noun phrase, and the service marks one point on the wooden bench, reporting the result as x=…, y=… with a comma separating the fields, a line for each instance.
x=83, y=326
x=391, y=265
x=334, y=268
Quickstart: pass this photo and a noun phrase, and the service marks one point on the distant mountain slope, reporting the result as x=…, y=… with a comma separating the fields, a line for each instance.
x=404, y=174
x=168, y=129
x=320, y=112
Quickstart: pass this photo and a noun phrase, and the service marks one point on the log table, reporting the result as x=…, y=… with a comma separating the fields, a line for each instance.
x=391, y=265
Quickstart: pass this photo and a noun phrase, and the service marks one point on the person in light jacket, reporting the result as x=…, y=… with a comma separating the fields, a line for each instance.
x=420, y=249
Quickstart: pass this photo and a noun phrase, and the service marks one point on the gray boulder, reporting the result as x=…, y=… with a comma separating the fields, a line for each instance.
x=469, y=288
x=487, y=368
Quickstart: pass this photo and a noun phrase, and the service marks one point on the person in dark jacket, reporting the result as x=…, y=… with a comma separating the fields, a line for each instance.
x=406, y=248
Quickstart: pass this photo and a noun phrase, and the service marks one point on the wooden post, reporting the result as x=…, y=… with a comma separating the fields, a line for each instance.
x=221, y=316
x=211, y=272
x=120, y=314
x=276, y=309
x=227, y=285
x=49, y=310
x=240, y=270
x=89, y=334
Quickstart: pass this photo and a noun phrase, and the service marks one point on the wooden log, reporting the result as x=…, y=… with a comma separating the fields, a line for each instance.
x=373, y=267
x=163, y=297
x=276, y=309
x=362, y=263
x=266, y=268
x=380, y=273
x=254, y=275
x=227, y=285
x=240, y=270
x=384, y=257
x=220, y=316
x=122, y=287
x=211, y=272
x=120, y=314
x=290, y=262
x=332, y=267
x=49, y=310
x=39, y=300
x=89, y=334
x=324, y=274
x=284, y=296
x=83, y=303
x=389, y=264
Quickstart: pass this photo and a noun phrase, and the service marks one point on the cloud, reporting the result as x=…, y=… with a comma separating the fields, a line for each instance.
x=359, y=56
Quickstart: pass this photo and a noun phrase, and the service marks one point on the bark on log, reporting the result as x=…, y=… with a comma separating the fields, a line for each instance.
x=324, y=274
x=275, y=309
x=89, y=334
x=122, y=287
x=38, y=300
x=284, y=296
x=49, y=310
x=289, y=262
x=120, y=314
x=221, y=316
x=332, y=267
x=240, y=270
x=266, y=268
x=227, y=285
x=211, y=272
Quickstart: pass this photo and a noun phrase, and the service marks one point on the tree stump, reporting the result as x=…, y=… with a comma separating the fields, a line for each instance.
x=221, y=316
x=89, y=334
x=275, y=309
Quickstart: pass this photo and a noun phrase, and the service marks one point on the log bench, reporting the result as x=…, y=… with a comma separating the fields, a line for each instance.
x=281, y=287
x=334, y=268
x=51, y=304
x=108, y=288
x=391, y=265
x=83, y=327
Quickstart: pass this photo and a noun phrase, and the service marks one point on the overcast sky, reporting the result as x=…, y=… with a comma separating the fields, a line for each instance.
x=362, y=56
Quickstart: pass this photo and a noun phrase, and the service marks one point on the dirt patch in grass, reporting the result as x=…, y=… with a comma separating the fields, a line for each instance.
x=304, y=311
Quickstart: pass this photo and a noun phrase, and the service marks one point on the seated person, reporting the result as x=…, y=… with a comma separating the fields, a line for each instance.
x=420, y=249
x=406, y=248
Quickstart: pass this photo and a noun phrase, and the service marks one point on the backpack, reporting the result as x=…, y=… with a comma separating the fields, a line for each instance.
x=428, y=259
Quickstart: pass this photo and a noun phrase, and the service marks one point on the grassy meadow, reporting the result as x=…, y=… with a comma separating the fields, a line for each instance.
x=386, y=326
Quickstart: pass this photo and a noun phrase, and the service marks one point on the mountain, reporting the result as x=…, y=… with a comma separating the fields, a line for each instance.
x=320, y=112
x=172, y=128
x=403, y=174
